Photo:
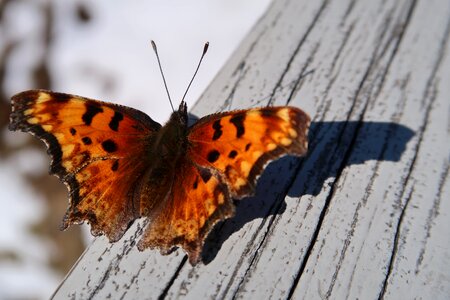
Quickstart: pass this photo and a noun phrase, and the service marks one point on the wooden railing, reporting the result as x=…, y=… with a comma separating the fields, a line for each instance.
x=366, y=213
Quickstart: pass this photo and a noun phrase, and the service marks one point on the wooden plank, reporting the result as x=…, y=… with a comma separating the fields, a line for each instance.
x=421, y=246
x=365, y=214
x=366, y=243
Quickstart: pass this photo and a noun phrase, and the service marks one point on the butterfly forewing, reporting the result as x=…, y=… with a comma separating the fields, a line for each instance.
x=240, y=143
x=97, y=149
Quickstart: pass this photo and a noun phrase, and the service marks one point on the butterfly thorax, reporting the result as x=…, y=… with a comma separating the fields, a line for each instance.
x=171, y=140
x=166, y=151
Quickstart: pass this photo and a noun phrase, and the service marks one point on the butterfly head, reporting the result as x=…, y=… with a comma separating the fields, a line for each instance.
x=179, y=118
x=181, y=113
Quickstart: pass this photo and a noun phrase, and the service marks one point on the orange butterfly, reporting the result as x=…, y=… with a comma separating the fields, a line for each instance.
x=120, y=165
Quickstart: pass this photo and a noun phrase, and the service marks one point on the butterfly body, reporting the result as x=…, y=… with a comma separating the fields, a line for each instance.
x=164, y=152
x=120, y=165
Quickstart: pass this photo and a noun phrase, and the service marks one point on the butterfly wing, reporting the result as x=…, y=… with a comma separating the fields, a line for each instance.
x=197, y=200
x=239, y=144
x=97, y=150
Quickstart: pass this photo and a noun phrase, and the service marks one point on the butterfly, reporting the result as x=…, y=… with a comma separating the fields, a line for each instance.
x=120, y=165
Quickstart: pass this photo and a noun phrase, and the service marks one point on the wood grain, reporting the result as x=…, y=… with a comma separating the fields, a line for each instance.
x=366, y=213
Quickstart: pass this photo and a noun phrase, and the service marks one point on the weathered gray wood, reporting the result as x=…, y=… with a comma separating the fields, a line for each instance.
x=366, y=213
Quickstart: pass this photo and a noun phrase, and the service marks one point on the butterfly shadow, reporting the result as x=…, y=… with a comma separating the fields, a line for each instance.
x=333, y=146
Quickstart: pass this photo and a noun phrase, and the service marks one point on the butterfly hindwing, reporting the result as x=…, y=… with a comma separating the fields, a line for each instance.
x=198, y=200
x=96, y=149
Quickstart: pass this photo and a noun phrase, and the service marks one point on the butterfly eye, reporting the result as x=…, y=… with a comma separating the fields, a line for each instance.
x=182, y=114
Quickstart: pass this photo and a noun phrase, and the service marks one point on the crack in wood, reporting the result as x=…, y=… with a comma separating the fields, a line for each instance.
x=302, y=74
x=325, y=105
x=133, y=279
x=271, y=219
x=432, y=214
x=242, y=70
x=163, y=294
x=297, y=50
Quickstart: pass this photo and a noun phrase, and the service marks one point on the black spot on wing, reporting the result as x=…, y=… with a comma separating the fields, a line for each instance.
x=91, y=110
x=73, y=131
x=86, y=140
x=232, y=154
x=195, y=185
x=247, y=146
x=115, y=120
x=205, y=174
x=61, y=97
x=109, y=146
x=115, y=165
x=213, y=155
x=238, y=122
x=217, y=130
x=267, y=112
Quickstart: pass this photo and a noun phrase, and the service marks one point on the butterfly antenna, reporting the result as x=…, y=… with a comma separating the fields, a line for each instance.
x=205, y=49
x=162, y=73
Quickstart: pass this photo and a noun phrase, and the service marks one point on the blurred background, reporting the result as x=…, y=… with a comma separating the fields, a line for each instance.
x=101, y=50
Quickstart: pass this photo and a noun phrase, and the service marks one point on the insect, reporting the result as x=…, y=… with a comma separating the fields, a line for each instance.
x=120, y=165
